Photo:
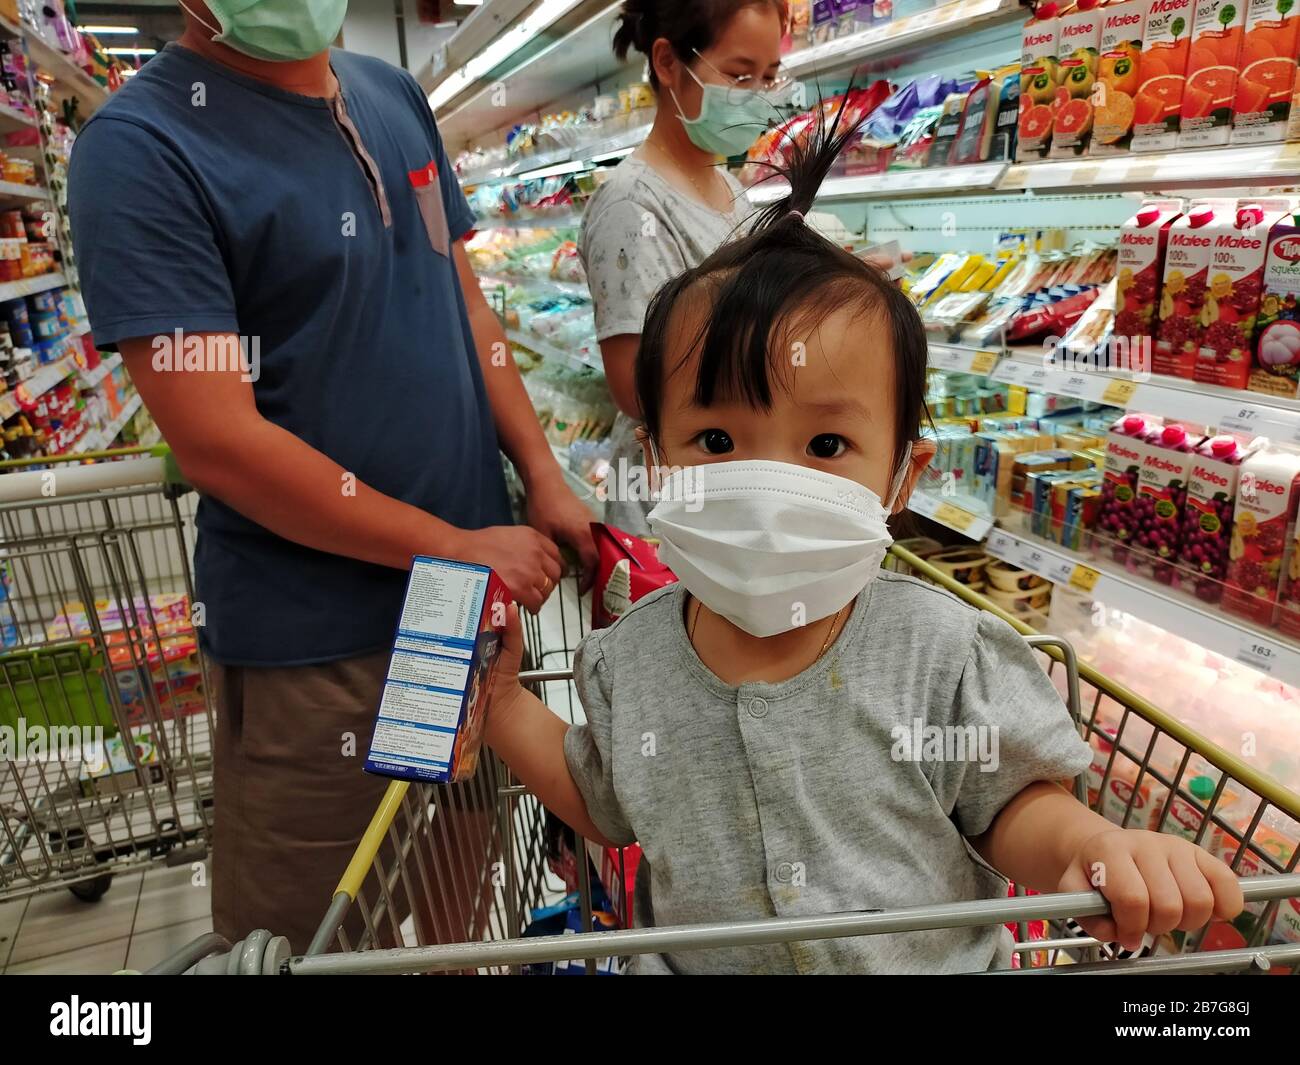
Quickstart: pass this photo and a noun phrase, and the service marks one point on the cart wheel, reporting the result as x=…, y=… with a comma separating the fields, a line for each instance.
x=85, y=890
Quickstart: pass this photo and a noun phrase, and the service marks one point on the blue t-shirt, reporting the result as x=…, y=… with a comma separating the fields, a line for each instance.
x=204, y=200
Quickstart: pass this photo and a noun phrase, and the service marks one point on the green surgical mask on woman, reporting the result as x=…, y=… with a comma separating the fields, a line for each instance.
x=276, y=30
x=730, y=119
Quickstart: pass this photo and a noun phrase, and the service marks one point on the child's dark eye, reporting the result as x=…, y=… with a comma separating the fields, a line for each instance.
x=715, y=442
x=827, y=446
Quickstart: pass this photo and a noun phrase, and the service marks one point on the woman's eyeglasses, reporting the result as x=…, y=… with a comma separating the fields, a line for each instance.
x=744, y=85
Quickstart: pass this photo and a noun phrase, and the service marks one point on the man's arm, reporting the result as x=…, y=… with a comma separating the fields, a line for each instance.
x=619, y=356
x=228, y=451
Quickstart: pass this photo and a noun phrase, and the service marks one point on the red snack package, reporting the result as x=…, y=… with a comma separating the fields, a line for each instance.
x=627, y=569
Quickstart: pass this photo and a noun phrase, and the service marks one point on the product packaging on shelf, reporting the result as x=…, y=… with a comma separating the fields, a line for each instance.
x=1078, y=40
x=1161, y=494
x=440, y=676
x=1118, y=74
x=1211, y=85
x=1263, y=533
x=1264, y=108
x=1117, y=518
x=993, y=96
x=1142, y=246
x=1186, y=279
x=1207, y=515
x=1276, y=369
x=1166, y=42
x=1038, y=83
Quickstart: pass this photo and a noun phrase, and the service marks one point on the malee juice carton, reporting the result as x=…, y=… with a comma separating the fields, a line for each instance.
x=440, y=676
x=1264, y=105
x=1183, y=291
x=1142, y=245
x=1206, y=112
x=1038, y=83
x=1208, y=513
x=1263, y=534
x=1078, y=40
x=1118, y=76
x=1277, y=329
x=1117, y=517
x=1166, y=41
x=1161, y=494
x=1235, y=280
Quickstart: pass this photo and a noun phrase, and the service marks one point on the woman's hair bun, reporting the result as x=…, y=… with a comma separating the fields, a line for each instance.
x=635, y=30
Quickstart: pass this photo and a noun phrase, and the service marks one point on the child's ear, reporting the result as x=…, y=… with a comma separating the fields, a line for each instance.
x=923, y=452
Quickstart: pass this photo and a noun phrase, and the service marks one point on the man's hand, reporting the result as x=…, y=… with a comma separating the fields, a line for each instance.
x=554, y=511
x=525, y=559
x=1154, y=883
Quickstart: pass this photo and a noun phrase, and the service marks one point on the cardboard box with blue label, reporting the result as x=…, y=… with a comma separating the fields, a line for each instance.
x=430, y=723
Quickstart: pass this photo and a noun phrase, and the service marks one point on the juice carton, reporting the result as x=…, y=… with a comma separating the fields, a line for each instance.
x=1166, y=42
x=1186, y=817
x=1038, y=83
x=1207, y=514
x=1206, y=112
x=1288, y=618
x=440, y=676
x=1118, y=74
x=1142, y=245
x=1183, y=293
x=1263, y=534
x=1264, y=106
x=1078, y=40
x=1117, y=521
x=1276, y=371
x=1235, y=280
x=1161, y=494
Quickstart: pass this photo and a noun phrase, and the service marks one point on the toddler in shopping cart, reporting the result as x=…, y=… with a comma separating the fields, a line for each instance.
x=791, y=730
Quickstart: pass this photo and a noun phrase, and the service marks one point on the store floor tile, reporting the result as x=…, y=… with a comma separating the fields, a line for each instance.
x=56, y=922
x=99, y=959
x=149, y=948
x=171, y=896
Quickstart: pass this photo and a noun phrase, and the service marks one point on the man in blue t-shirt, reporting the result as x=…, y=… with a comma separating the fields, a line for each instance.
x=251, y=186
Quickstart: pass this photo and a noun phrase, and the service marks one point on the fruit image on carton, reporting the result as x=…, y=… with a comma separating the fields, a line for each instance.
x=1185, y=287
x=1038, y=83
x=1262, y=547
x=1141, y=260
x=1208, y=514
x=1263, y=106
x=1206, y=111
x=1078, y=40
x=1276, y=371
x=1118, y=77
x=1166, y=44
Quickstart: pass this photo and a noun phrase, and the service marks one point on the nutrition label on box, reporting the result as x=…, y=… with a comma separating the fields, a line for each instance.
x=440, y=600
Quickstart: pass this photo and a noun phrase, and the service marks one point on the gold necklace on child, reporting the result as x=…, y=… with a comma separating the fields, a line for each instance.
x=695, y=621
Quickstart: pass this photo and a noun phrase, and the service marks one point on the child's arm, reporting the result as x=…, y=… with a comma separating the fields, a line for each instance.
x=1046, y=839
x=529, y=738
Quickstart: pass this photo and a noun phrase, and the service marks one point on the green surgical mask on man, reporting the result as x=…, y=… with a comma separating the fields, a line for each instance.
x=279, y=31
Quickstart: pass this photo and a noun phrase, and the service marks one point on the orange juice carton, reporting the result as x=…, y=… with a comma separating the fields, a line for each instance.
x=1262, y=547
x=1078, y=40
x=1265, y=109
x=1118, y=76
x=1235, y=281
x=1276, y=371
x=1143, y=242
x=440, y=675
x=1211, y=86
x=1185, y=286
x=1038, y=83
x=1166, y=42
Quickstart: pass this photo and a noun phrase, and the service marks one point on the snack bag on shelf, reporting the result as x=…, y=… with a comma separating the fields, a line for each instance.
x=1117, y=517
x=1166, y=42
x=1207, y=515
x=1118, y=76
x=1276, y=370
x=989, y=100
x=825, y=21
x=1161, y=495
x=1262, y=547
x=1211, y=86
x=628, y=569
x=1185, y=287
x=945, y=133
x=1235, y=280
x=1038, y=83
x=799, y=27
x=1078, y=40
x=1264, y=108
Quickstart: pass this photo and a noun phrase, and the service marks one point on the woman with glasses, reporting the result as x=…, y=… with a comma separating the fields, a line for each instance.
x=715, y=66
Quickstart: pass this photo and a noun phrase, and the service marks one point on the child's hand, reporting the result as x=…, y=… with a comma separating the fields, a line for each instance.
x=507, y=689
x=1154, y=883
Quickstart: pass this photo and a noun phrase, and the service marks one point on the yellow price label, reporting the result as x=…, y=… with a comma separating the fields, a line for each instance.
x=1119, y=393
x=1085, y=175
x=983, y=362
x=954, y=517
x=1084, y=578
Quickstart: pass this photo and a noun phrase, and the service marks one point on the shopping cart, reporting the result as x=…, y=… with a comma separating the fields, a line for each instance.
x=393, y=863
x=105, y=703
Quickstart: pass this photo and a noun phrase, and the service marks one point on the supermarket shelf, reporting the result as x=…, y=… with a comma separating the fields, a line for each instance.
x=12, y=119
x=545, y=284
x=582, y=153
x=976, y=177
x=559, y=220
x=29, y=286
x=91, y=378
x=35, y=386
x=1165, y=607
x=114, y=427
x=578, y=360
x=64, y=71
x=956, y=513
x=12, y=190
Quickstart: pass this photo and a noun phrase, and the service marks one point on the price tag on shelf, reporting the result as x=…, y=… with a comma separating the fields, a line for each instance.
x=954, y=517
x=1243, y=420
x=1084, y=578
x=1073, y=385
x=944, y=358
x=1259, y=653
x=1034, y=560
x=1059, y=570
x=1001, y=545
x=1119, y=393
x=982, y=362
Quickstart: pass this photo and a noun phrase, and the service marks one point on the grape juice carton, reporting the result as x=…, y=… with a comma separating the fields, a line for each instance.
x=1211, y=83
x=1265, y=109
x=1038, y=83
x=1263, y=534
x=1141, y=262
x=1207, y=515
x=1078, y=41
x=1117, y=520
x=1276, y=369
x=440, y=675
x=1184, y=288
x=1118, y=76
x=1166, y=42
x=1235, y=281
x=1161, y=495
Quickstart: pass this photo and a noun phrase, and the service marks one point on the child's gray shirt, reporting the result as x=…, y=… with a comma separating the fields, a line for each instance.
x=851, y=786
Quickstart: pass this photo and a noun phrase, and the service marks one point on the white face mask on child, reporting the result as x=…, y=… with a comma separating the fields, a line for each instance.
x=771, y=546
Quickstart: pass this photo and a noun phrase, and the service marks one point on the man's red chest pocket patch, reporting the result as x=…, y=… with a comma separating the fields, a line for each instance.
x=428, y=195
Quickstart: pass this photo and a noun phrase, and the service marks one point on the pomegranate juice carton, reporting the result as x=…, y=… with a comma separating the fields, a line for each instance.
x=1207, y=515
x=1235, y=282
x=1078, y=39
x=1277, y=328
x=1118, y=75
x=1263, y=534
x=1117, y=519
x=1211, y=85
x=1161, y=494
x=1264, y=105
x=1038, y=84
x=1166, y=41
x=1142, y=245
x=1183, y=292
